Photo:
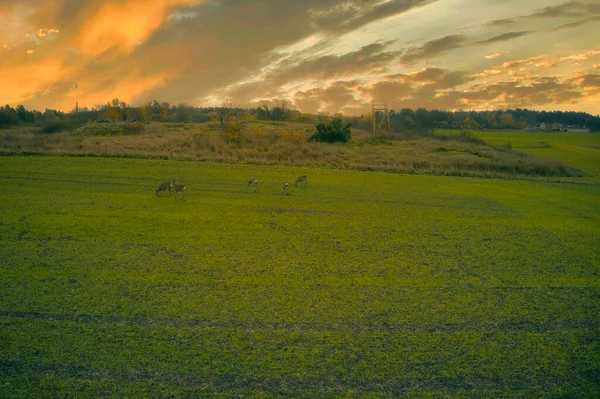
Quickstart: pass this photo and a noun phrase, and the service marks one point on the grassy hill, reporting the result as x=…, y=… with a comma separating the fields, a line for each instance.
x=285, y=143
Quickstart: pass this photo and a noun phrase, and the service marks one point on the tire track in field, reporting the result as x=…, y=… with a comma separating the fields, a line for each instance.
x=316, y=386
x=300, y=326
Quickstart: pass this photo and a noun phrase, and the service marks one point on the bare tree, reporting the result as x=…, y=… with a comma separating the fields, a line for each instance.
x=223, y=114
x=264, y=112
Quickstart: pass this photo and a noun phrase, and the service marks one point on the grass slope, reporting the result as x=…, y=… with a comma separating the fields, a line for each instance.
x=360, y=285
x=579, y=150
x=285, y=143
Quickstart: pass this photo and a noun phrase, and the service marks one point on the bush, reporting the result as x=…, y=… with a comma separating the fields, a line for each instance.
x=334, y=132
x=133, y=128
x=55, y=126
x=233, y=132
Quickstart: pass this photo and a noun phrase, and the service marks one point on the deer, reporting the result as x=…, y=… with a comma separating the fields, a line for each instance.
x=167, y=186
x=179, y=188
x=253, y=182
x=302, y=180
x=285, y=188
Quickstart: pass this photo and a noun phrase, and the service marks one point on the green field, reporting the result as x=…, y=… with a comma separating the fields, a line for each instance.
x=578, y=150
x=363, y=284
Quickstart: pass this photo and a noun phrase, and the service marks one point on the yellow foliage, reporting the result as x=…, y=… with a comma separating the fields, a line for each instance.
x=296, y=137
x=233, y=132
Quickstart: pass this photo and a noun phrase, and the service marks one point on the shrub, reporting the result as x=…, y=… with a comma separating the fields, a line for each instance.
x=133, y=128
x=506, y=147
x=55, y=126
x=233, y=132
x=334, y=132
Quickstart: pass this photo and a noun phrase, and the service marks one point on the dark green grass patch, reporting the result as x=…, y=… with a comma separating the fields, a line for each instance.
x=359, y=285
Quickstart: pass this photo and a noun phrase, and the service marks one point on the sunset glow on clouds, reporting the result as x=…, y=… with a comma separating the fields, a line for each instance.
x=319, y=55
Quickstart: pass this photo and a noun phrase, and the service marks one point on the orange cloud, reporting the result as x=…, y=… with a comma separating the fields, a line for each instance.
x=123, y=25
x=581, y=56
x=528, y=61
x=495, y=55
x=126, y=89
x=45, y=32
x=489, y=72
x=20, y=82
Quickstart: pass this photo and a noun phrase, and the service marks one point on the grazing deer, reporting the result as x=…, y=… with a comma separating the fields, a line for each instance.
x=285, y=188
x=179, y=188
x=302, y=180
x=254, y=183
x=167, y=186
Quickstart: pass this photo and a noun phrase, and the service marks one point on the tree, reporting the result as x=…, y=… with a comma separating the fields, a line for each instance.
x=50, y=116
x=470, y=124
x=408, y=123
x=112, y=112
x=264, y=112
x=123, y=110
x=507, y=120
x=223, y=114
x=279, y=113
x=145, y=111
x=183, y=113
x=8, y=116
x=490, y=119
x=164, y=110
x=332, y=132
x=23, y=114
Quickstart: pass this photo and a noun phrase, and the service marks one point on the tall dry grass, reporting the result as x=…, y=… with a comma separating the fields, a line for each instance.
x=286, y=143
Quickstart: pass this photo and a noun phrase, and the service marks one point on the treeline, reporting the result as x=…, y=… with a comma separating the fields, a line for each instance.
x=402, y=120
x=408, y=119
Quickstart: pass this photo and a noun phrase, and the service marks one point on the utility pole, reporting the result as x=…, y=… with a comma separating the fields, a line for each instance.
x=76, y=105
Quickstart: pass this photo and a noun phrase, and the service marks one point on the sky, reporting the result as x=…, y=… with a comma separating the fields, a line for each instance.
x=317, y=55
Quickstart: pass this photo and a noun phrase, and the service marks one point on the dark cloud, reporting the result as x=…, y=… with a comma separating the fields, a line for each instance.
x=436, y=88
x=504, y=37
x=367, y=58
x=579, y=23
x=230, y=41
x=588, y=81
x=434, y=48
x=349, y=15
x=421, y=89
x=501, y=22
x=496, y=95
x=445, y=44
x=568, y=9
x=333, y=98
